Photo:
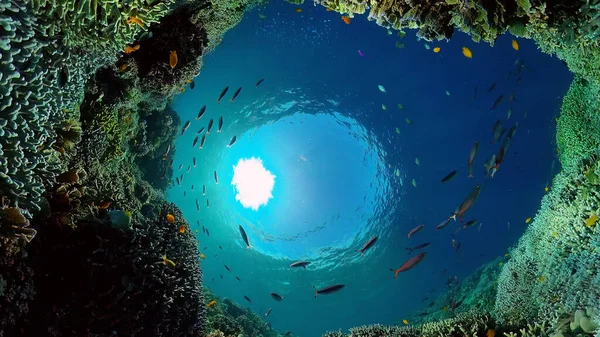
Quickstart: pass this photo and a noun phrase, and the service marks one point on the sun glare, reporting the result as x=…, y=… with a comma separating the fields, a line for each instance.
x=253, y=182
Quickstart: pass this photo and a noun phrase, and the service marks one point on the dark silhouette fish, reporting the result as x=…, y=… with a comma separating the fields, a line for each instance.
x=177, y=180
x=207, y=203
x=209, y=126
x=244, y=236
x=203, y=189
x=216, y=177
x=302, y=264
x=415, y=230
x=221, y=248
x=470, y=223
x=185, y=127
x=238, y=278
x=409, y=264
x=248, y=299
x=204, y=229
x=328, y=290
x=201, y=112
x=203, y=141
x=287, y=334
x=497, y=131
x=192, y=85
x=268, y=312
x=259, y=82
x=207, y=232
x=200, y=131
x=232, y=141
x=467, y=203
x=276, y=296
x=475, y=93
x=450, y=176
x=492, y=87
x=235, y=94
x=368, y=245
x=443, y=224
x=221, y=276
x=473, y=152
x=195, y=142
x=227, y=267
x=497, y=102
x=220, y=124
x=421, y=246
x=223, y=92
x=197, y=205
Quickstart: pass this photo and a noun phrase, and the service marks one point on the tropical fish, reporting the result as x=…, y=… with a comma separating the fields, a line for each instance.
x=509, y=112
x=209, y=126
x=417, y=161
x=360, y=53
x=223, y=92
x=415, y=230
x=194, y=163
x=211, y=303
x=473, y=152
x=302, y=264
x=238, y=278
x=180, y=167
x=200, y=131
x=368, y=245
x=492, y=87
x=443, y=224
x=216, y=177
x=133, y=19
x=232, y=141
x=182, y=229
x=409, y=264
x=259, y=82
x=298, y=10
x=202, y=141
x=421, y=246
x=244, y=236
x=287, y=334
x=247, y=298
x=381, y=88
x=467, y=203
x=220, y=124
x=511, y=96
x=497, y=102
x=528, y=220
x=497, y=131
x=268, y=312
x=168, y=262
x=470, y=167
x=197, y=205
x=235, y=94
x=201, y=112
x=227, y=267
x=467, y=52
x=185, y=127
x=470, y=223
x=170, y=218
x=173, y=59
x=436, y=49
x=329, y=289
x=192, y=85
x=207, y=206
x=449, y=176
x=492, y=332
x=414, y=182
x=276, y=296
x=203, y=189
x=405, y=322
x=195, y=142
x=177, y=180
x=346, y=19
x=515, y=44
x=129, y=50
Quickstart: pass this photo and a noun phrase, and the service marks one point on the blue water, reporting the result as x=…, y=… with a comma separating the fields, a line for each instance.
x=318, y=125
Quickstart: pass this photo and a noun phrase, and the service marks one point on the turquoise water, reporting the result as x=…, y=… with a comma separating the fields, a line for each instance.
x=343, y=173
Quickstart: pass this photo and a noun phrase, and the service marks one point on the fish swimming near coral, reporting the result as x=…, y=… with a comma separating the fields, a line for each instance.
x=185, y=127
x=259, y=82
x=467, y=203
x=216, y=177
x=170, y=218
x=129, y=49
x=415, y=230
x=167, y=262
x=232, y=141
x=346, y=19
x=268, y=312
x=409, y=264
x=417, y=247
x=197, y=205
x=192, y=85
x=209, y=126
x=515, y=44
x=247, y=298
x=211, y=303
x=235, y=94
x=367, y=245
x=302, y=264
x=173, y=59
x=329, y=289
x=449, y=176
x=133, y=20
x=467, y=52
x=202, y=141
x=436, y=49
x=223, y=92
x=220, y=124
x=244, y=236
x=201, y=112
x=276, y=296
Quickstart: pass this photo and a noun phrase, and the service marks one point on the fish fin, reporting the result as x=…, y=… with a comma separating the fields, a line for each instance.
x=470, y=176
x=453, y=216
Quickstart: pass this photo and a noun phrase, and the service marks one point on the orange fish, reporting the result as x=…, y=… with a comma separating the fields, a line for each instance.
x=491, y=333
x=467, y=52
x=328, y=9
x=437, y=49
x=346, y=19
x=129, y=49
x=104, y=204
x=182, y=89
x=515, y=45
x=135, y=20
x=124, y=67
x=298, y=10
x=202, y=256
x=182, y=229
x=170, y=218
x=211, y=303
x=173, y=59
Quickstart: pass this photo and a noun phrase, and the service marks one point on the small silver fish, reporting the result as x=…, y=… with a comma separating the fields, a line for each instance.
x=232, y=141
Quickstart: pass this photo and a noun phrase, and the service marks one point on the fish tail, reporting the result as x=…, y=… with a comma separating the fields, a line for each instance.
x=361, y=253
x=316, y=291
x=218, y=131
x=219, y=100
x=453, y=216
x=470, y=176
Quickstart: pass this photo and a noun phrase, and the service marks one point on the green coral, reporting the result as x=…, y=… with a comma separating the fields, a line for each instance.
x=578, y=127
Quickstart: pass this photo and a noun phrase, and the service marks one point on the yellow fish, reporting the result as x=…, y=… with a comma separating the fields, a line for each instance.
x=298, y=10
x=168, y=262
x=500, y=264
x=555, y=234
x=211, y=303
x=445, y=308
x=591, y=221
x=437, y=49
x=405, y=322
x=182, y=89
x=506, y=255
x=528, y=220
x=196, y=231
x=467, y=52
x=173, y=59
x=515, y=45
x=546, y=189
x=491, y=333
x=542, y=278
x=124, y=67
x=133, y=20
x=202, y=256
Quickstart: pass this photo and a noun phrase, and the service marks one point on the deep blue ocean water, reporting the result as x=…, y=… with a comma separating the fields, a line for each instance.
x=344, y=166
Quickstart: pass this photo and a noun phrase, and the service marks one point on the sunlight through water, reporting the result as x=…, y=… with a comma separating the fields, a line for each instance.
x=253, y=182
